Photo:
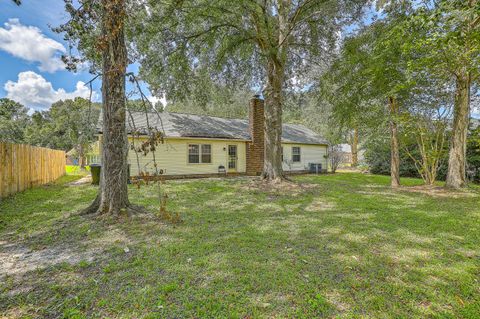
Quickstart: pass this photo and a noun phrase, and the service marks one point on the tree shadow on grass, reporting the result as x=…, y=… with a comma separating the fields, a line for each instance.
x=336, y=251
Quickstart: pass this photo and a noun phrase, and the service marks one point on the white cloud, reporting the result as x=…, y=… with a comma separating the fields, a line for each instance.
x=32, y=90
x=154, y=100
x=30, y=44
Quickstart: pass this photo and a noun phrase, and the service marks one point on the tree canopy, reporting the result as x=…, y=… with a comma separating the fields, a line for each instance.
x=268, y=45
x=13, y=120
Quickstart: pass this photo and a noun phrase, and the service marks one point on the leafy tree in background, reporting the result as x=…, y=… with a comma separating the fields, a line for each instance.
x=377, y=157
x=424, y=126
x=13, y=121
x=420, y=48
x=65, y=125
x=445, y=37
x=41, y=131
x=76, y=121
x=137, y=105
x=424, y=141
x=219, y=101
x=473, y=154
x=356, y=109
x=369, y=74
x=251, y=43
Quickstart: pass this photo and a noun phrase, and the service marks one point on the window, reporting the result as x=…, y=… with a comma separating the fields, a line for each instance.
x=193, y=153
x=296, y=154
x=206, y=153
x=282, y=153
x=199, y=153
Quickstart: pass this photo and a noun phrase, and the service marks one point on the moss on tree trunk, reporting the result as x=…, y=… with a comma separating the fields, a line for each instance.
x=113, y=194
x=458, y=146
x=272, y=167
x=394, y=145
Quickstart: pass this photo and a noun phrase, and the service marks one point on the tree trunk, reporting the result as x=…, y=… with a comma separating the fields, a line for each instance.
x=81, y=156
x=113, y=195
x=458, y=147
x=272, y=167
x=394, y=146
x=354, y=147
x=276, y=61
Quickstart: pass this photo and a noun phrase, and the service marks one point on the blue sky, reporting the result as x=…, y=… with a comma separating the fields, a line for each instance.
x=29, y=54
x=31, y=70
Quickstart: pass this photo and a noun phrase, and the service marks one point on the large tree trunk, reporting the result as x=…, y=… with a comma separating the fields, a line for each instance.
x=276, y=61
x=394, y=146
x=113, y=195
x=272, y=167
x=458, y=147
x=354, y=147
x=81, y=156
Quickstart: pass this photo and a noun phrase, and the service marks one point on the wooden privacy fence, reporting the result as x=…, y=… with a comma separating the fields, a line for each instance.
x=25, y=166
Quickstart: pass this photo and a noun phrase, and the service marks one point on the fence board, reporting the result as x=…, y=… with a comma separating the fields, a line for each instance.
x=25, y=166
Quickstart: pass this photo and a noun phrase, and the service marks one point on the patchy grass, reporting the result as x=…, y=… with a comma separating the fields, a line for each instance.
x=344, y=246
x=76, y=170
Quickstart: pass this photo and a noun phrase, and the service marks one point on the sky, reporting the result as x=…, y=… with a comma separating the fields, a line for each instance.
x=32, y=72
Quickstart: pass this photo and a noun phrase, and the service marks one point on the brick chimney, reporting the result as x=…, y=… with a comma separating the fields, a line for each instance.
x=256, y=147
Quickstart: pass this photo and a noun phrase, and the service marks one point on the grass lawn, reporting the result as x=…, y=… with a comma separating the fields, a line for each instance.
x=343, y=246
x=76, y=170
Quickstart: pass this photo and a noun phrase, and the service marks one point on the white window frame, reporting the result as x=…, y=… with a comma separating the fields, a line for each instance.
x=200, y=153
x=294, y=154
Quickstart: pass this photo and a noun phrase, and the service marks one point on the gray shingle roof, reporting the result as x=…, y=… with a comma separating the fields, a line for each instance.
x=190, y=125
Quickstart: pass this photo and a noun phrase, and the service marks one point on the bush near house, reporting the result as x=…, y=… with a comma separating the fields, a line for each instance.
x=473, y=154
x=377, y=157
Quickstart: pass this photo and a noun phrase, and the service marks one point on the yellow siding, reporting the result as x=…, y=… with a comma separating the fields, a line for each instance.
x=172, y=157
x=308, y=154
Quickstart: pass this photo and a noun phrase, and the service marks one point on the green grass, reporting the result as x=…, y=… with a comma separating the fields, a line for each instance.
x=76, y=170
x=345, y=246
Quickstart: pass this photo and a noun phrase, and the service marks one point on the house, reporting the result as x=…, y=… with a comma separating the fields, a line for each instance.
x=347, y=155
x=197, y=145
x=92, y=155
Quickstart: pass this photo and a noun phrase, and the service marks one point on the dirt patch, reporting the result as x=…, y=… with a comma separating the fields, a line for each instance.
x=82, y=181
x=280, y=188
x=320, y=205
x=336, y=299
x=16, y=259
x=437, y=191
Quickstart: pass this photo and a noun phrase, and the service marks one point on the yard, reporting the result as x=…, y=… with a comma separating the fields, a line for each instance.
x=341, y=246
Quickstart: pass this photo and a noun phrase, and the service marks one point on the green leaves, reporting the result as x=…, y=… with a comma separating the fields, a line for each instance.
x=65, y=125
x=13, y=120
x=446, y=38
x=232, y=40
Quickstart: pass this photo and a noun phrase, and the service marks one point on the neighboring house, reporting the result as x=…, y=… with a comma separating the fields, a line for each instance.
x=346, y=151
x=346, y=154
x=205, y=145
x=92, y=156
